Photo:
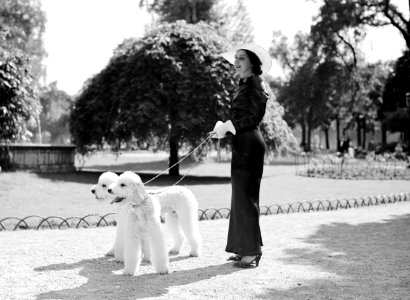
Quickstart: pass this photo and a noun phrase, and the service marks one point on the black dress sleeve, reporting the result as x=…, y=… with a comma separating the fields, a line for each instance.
x=249, y=104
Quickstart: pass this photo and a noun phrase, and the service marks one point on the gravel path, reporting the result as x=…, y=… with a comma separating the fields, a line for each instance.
x=361, y=253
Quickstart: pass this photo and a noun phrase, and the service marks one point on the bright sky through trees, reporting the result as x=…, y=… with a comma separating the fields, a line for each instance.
x=82, y=34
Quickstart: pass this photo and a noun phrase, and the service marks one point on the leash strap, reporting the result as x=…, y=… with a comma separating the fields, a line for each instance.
x=162, y=173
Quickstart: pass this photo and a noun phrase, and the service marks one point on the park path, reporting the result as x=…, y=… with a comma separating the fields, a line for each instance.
x=360, y=253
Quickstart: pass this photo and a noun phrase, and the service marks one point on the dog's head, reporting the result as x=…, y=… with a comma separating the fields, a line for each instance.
x=128, y=189
x=100, y=190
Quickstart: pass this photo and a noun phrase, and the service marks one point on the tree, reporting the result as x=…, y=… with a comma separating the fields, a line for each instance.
x=192, y=11
x=345, y=23
x=54, y=115
x=23, y=22
x=231, y=21
x=170, y=86
x=19, y=106
x=337, y=15
x=277, y=134
x=393, y=109
x=300, y=95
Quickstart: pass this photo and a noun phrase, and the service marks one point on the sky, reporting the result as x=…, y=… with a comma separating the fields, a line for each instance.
x=81, y=35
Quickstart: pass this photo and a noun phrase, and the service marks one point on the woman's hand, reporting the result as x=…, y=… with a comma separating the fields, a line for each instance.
x=221, y=129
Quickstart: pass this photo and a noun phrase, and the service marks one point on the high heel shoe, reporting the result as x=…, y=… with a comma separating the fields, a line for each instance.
x=235, y=258
x=252, y=264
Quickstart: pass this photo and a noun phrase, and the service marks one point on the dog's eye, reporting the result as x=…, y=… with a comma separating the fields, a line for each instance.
x=104, y=185
x=122, y=184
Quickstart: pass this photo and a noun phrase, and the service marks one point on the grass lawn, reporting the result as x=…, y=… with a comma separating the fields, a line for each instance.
x=68, y=194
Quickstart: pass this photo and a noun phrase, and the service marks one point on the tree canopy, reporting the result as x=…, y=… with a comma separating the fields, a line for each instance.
x=394, y=110
x=231, y=21
x=21, y=27
x=192, y=11
x=54, y=116
x=23, y=24
x=170, y=86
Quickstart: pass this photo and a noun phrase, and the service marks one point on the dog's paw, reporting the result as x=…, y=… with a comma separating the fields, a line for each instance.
x=128, y=273
x=195, y=254
x=163, y=271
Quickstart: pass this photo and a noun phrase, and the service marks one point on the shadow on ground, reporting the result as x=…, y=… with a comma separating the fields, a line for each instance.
x=371, y=261
x=91, y=177
x=102, y=283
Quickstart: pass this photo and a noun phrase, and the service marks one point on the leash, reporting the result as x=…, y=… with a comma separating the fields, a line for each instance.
x=206, y=140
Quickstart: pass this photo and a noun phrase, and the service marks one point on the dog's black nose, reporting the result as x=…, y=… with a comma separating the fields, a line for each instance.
x=93, y=191
x=109, y=191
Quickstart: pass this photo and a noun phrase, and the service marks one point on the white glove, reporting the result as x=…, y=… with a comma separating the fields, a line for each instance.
x=221, y=129
x=230, y=127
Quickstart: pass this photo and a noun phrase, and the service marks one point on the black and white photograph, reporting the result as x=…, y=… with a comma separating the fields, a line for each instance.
x=205, y=149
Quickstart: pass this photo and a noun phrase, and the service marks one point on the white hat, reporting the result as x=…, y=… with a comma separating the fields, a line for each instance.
x=261, y=53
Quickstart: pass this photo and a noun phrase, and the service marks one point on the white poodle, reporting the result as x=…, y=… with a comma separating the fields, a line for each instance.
x=100, y=191
x=143, y=223
x=179, y=207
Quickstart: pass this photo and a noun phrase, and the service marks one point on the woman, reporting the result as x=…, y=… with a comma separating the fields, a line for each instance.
x=248, y=150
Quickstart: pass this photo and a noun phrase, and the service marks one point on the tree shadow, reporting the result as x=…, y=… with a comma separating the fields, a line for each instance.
x=368, y=261
x=102, y=283
x=155, y=165
x=91, y=177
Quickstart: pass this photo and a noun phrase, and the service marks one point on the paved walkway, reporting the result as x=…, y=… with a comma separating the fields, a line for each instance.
x=360, y=253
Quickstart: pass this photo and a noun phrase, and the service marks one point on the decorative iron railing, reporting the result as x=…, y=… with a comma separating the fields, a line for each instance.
x=94, y=220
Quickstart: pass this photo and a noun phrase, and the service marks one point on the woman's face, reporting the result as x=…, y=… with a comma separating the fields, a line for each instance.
x=243, y=65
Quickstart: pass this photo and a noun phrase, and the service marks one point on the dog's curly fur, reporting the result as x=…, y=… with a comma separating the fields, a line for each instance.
x=178, y=206
x=143, y=223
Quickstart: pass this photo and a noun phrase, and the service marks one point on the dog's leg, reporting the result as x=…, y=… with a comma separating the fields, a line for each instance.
x=146, y=248
x=159, y=255
x=172, y=223
x=120, y=234
x=190, y=227
x=132, y=251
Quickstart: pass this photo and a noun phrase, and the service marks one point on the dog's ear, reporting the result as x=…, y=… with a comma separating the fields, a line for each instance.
x=140, y=189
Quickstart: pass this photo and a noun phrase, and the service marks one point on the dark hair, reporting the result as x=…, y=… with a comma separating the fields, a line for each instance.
x=255, y=62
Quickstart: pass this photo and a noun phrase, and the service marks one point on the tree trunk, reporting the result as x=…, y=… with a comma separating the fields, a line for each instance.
x=303, y=125
x=384, y=134
x=326, y=131
x=359, y=127
x=309, y=130
x=173, y=157
x=364, y=133
x=337, y=134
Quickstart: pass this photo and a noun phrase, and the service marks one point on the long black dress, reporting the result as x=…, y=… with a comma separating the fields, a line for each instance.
x=248, y=151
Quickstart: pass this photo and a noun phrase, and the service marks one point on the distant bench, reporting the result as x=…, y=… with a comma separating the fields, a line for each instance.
x=41, y=157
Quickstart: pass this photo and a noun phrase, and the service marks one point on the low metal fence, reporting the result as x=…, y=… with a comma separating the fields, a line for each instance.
x=94, y=220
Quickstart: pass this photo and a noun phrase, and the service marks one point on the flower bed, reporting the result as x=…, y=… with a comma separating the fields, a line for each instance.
x=382, y=167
